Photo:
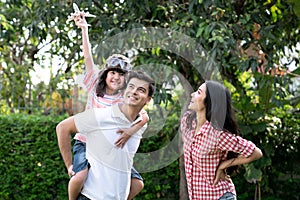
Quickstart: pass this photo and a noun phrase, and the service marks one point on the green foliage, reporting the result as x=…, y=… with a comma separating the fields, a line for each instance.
x=267, y=119
x=161, y=184
x=30, y=162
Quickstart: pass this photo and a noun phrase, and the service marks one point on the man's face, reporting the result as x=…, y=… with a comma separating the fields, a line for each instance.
x=136, y=93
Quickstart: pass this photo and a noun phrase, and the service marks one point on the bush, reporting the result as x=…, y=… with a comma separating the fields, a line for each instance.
x=30, y=163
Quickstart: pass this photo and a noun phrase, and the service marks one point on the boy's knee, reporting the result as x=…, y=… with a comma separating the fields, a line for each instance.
x=79, y=176
x=137, y=184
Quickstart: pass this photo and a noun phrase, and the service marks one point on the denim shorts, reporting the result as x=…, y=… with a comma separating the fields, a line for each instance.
x=228, y=196
x=135, y=174
x=80, y=162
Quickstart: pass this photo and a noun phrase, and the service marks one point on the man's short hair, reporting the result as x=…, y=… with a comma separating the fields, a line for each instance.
x=145, y=77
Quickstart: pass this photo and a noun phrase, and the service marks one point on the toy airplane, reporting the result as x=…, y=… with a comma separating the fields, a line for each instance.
x=77, y=12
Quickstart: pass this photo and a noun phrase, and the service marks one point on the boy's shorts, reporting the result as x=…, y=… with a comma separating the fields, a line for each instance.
x=80, y=162
x=135, y=174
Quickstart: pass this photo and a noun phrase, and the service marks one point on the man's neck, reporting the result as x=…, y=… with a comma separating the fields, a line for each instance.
x=130, y=112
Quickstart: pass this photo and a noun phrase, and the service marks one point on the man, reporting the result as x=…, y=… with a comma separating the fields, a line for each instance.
x=109, y=174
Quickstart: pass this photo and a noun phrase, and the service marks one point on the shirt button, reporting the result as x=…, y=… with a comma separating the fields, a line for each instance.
x=193, y=143
x=191, y=163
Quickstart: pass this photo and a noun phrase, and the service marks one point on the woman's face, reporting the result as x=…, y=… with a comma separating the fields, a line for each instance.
x=114, y=81
x=197, y=100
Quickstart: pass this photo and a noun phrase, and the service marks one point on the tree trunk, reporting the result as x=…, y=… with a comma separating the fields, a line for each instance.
x=183, y=193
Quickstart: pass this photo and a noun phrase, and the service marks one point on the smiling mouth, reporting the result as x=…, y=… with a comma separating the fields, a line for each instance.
x=132, y=98
x=116, y=84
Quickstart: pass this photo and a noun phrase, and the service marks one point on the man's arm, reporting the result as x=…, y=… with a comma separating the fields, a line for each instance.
x=64, y=130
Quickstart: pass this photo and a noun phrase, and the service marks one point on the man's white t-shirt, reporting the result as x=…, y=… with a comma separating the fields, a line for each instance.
x=109, y=175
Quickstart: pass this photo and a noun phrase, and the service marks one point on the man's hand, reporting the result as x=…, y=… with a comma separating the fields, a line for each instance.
x=125, y=135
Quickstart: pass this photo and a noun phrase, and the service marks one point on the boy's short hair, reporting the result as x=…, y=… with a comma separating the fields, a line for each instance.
x=145, y=77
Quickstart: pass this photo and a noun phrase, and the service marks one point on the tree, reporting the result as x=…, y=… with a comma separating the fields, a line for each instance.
x=27, y=28
x=245, y=42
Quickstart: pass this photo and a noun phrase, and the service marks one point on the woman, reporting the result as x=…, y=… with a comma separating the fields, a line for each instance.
x=210, y=139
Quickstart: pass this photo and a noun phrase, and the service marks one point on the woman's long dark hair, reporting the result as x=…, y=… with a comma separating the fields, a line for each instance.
x=219, y=107
x=219, y=113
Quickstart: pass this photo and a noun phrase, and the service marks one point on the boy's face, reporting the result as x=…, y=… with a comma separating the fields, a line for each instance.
x=114, y=81
x=136, y=93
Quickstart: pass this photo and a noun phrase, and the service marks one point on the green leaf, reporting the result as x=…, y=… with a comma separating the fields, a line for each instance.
x=252, y=174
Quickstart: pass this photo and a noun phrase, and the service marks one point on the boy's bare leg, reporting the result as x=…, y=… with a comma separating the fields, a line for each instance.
x=136, y=187
x=76, y=184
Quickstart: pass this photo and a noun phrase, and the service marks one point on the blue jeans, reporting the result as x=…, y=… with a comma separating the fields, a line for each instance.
x=80, y=162
x=135, y=174
x=228, y=196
